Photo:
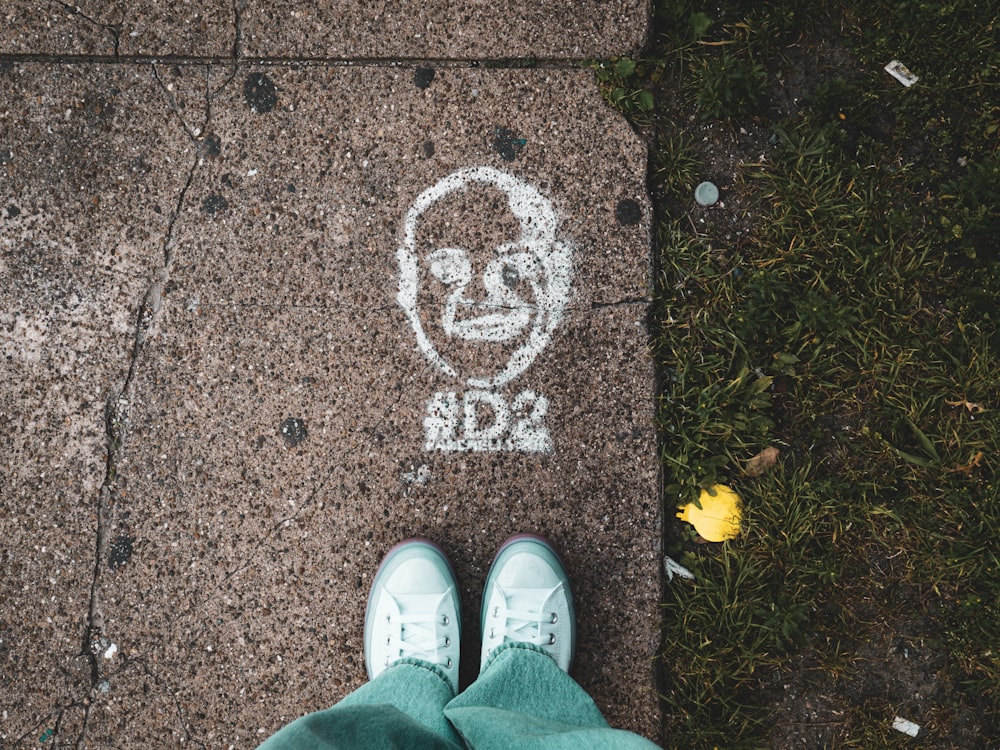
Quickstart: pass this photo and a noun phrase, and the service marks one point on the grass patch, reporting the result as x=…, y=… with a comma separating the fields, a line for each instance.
x=853, y=324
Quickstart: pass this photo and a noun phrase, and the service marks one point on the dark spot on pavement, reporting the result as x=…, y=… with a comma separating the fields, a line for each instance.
x=102, y=108
x=293, y=431
x=507, y=144
x=428, y=149
x=6, y=66
x=6, y=156
x=214, y=204
x=211, y=146
x=422, y=77
x=13, y=211
x=120, y=551
x=260, y=93
x=628, y=212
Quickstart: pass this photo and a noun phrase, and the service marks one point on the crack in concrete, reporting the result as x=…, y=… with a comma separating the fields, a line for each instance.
x=172, y=101
x=291, y=306
x=144, y=667
x=238, y=6
x=115, y=28
x=117, y=417
x=49, y=732
x=378, y=309
x=621, y=303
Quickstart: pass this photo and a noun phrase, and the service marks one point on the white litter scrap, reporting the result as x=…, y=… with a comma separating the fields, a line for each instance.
x=901, y=73
x=906, y=727
x=676, y=569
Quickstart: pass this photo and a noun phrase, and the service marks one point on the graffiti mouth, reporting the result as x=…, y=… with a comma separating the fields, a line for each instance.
x=495, y=326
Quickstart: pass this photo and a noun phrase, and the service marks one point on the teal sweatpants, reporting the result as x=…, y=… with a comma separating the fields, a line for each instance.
x=521, y=700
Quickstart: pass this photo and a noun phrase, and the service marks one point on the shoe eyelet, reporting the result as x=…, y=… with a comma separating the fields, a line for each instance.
x=444, y=619
x=447, y=641
x=387, y=661
x=388, y=640
x=449, y=663
x=496, y=611
x=552, y=638
x=554, y=618
x=388, y=618
x=492, y=633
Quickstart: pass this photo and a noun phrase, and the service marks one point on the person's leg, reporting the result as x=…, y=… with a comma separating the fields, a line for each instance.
x=401, y=708
x=412, y=631
x=524, y=696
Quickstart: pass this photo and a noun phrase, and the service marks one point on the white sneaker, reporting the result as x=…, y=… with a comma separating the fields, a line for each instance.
x=528, y=599
x=413, y=610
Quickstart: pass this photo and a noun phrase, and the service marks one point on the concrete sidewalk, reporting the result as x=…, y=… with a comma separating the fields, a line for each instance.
x=259, y=321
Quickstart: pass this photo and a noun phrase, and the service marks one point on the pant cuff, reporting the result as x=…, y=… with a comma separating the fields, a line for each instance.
x=433, y=668
x=510, y=645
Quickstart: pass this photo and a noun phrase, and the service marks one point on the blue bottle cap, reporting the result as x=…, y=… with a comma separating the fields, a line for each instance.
x=706, y=194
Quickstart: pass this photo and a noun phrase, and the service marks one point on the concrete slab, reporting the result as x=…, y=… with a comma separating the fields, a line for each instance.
x=468, y=30
x=87, y=183
x=290, y=424
x=465, y=30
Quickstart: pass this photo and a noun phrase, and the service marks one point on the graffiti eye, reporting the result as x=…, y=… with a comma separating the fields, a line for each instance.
x=510, y=276
x=450, y=266
x=514, y=267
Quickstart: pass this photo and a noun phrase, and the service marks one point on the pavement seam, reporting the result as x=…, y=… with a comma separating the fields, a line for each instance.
x=498, y=63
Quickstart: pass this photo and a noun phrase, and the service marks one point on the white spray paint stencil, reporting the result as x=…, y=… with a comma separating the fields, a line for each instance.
x=481, y=419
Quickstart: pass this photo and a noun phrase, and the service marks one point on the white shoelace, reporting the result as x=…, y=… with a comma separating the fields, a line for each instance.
x=525, y=625
x=418, y=638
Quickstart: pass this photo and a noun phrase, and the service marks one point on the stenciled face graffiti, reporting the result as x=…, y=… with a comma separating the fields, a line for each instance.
x=511, y=296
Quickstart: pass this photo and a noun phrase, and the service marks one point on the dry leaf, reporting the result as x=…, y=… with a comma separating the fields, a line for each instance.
x=973, y=408
x=967, y=469
x=762, y=462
